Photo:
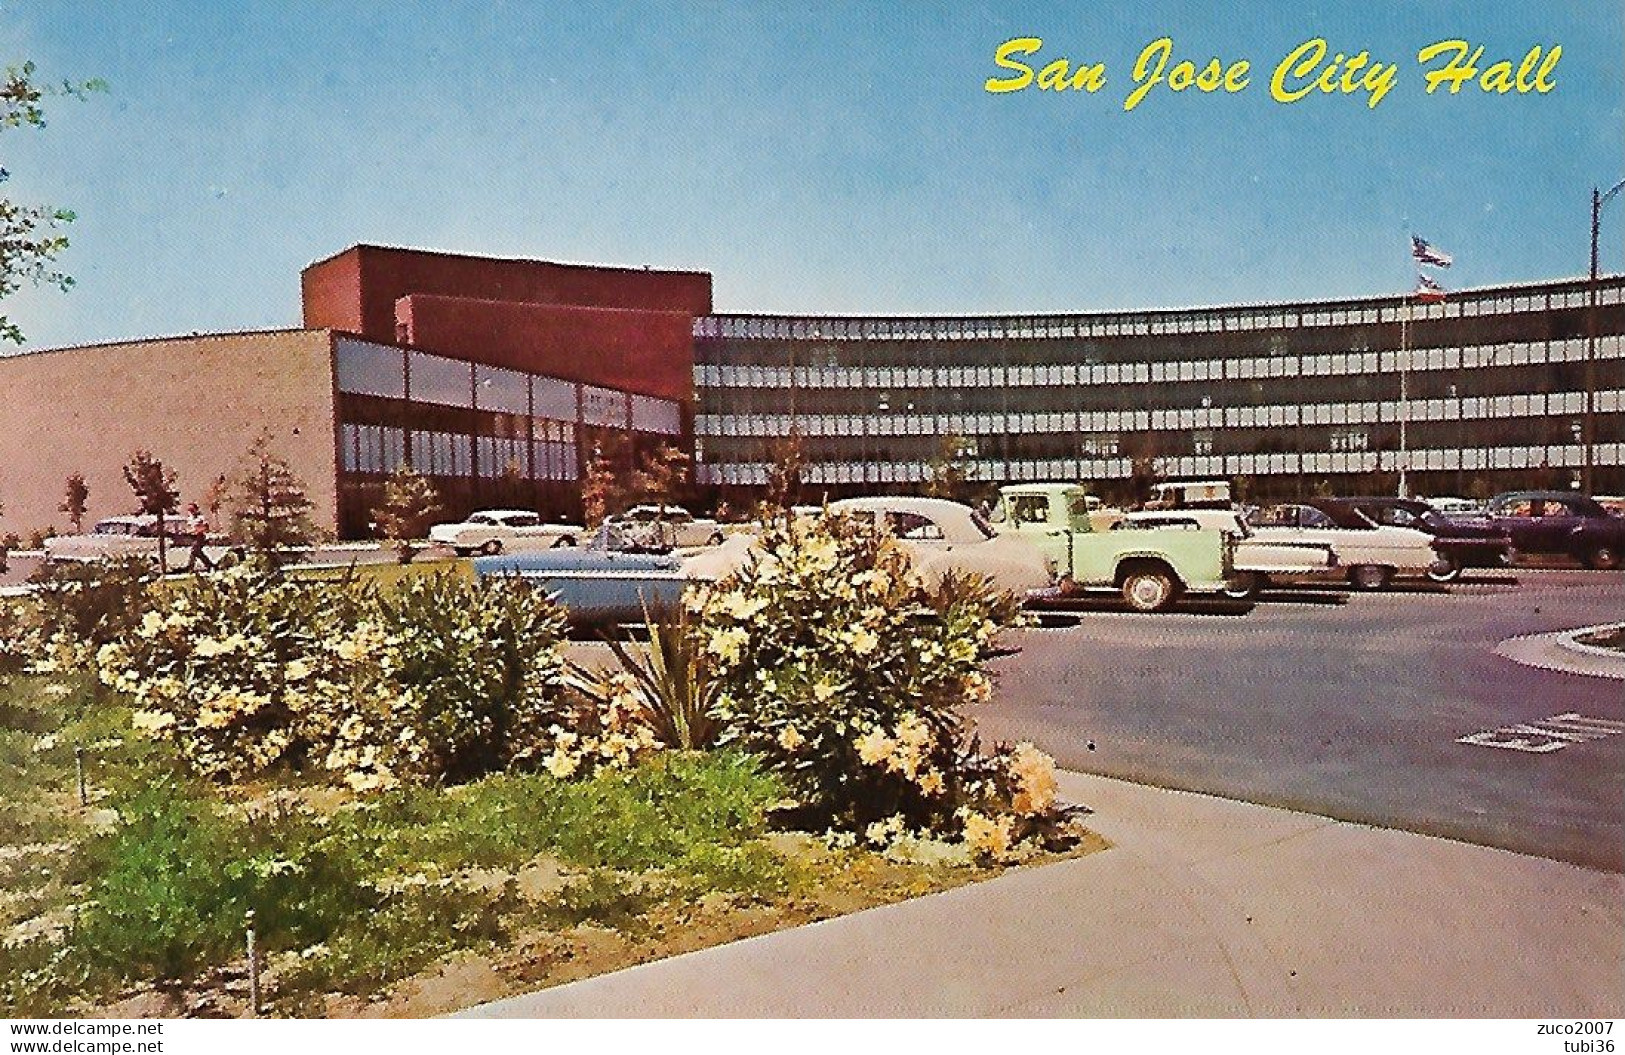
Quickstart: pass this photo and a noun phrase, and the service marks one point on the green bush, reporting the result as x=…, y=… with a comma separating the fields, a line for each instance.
x=439, y=677
x=84, y=605
x=848, y=679
x=480, y=668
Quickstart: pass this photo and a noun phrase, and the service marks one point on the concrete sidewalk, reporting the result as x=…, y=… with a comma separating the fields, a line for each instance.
x=1203, y=907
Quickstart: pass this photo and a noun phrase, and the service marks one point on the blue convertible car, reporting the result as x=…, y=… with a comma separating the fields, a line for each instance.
x=611, y=581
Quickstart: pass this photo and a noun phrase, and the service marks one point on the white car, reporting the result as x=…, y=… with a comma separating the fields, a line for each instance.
x=667, y=527
x=136, y=536
x=1257, y=561
x=1456, y=507
x=942, y=536
x=1373, y=555
x=494, y=530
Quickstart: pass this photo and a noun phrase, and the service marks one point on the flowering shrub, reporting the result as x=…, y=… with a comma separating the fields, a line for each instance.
x=848, y=680
x=441, y=678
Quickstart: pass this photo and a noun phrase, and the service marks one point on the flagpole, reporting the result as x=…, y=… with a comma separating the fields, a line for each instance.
x=1404, y=392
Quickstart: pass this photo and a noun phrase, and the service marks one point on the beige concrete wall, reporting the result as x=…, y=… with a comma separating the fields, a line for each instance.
x=196, y=403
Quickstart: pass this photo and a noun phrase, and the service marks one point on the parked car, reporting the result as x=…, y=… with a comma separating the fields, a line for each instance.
x=614, y=579
x=137, y=536
x=494, y=530
x=1188, y=494
x=1257, y=562
x=1150, y=569
x=1456, y=507
x=1373, y=555
x=1560, y=523
x=668, y=527
x=1462, y=542
x=941, y=536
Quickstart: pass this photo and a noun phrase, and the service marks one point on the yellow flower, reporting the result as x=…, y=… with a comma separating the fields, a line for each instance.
x=862, y=640
x=151, y=623
x=737, y=605
x=823, y=691
x=562, y=764
x=1034, y=772
x=152, y=722
x=728, y=644
x=874, y=746
x=930, y=782
x=791, y=738
x=297, y=670
x=987, y=835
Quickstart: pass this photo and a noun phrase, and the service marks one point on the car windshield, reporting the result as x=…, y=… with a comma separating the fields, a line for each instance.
x=522, y=520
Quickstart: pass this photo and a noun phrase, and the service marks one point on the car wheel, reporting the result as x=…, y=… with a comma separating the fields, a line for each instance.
x=1370, y=576
x=715, y=539
x=1149, y=589
x=1246, y=586
x=462, y=551
x=1603, y=558
x=567, y=541
x=492, y=548
x=1445, y=569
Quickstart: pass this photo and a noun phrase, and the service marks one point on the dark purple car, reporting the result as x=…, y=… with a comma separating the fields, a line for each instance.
x=1463, y=542
x=1560, y=523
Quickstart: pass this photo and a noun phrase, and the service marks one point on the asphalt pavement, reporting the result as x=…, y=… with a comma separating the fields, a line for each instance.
x=1350, y=706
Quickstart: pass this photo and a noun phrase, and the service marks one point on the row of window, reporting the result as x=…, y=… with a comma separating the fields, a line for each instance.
x=368, y=369
x=1444, y=460
x=382, y=449
x=1386, y=310
x=1355, y=361
x=1462, y=409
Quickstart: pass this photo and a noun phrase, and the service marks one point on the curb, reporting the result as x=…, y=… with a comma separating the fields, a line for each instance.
x=1558, y=651
x=1569, y=640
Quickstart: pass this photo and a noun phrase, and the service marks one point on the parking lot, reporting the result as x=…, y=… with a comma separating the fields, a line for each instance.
x=1349, y=706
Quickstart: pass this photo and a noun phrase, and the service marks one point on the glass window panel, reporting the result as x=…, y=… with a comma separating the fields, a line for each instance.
x=438, y=380
x=555, y=399
x=370, y=369
x=499, y=389
x=603, y=407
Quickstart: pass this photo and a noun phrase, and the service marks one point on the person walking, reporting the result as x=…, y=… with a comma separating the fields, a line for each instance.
x=197, y=529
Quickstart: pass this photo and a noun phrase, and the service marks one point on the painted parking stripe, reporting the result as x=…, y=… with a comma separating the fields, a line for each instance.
x=1547, y=735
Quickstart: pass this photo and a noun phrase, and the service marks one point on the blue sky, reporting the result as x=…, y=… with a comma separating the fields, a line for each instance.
x=844, y=159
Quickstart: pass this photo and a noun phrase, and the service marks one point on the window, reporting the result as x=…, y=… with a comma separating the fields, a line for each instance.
x=913, y=526
x=370, y=369
x=437, y=380
x=1029, y=509
x=499, y=389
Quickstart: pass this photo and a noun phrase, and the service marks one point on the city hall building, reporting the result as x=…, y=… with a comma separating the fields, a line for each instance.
x=500, y=380
x=1487, y=391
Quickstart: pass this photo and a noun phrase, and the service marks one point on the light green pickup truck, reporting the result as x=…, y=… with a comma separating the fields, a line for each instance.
x=1151, y=568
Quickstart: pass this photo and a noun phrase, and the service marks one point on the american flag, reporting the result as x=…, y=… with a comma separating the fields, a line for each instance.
x=1428, y=291
x=1428, y=254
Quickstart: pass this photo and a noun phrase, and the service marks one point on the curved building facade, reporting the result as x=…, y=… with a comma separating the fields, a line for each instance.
x=1487, y=391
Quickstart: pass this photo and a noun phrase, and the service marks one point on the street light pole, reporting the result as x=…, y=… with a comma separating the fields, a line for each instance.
x=1599, y=198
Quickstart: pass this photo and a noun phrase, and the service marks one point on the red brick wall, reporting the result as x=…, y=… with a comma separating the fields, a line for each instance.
x=648, y=352
x=331, y=292
x=357, y=289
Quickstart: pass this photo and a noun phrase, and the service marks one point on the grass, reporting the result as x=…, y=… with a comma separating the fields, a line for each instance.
x=146, y=890
x=388, y=573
